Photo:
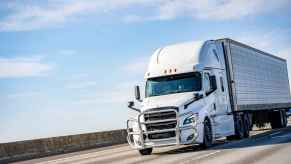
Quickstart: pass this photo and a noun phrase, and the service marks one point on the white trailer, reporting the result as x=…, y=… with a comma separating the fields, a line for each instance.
x=197, y=92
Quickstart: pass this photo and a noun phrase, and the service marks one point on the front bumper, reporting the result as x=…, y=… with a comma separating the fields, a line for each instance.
x=138, y=135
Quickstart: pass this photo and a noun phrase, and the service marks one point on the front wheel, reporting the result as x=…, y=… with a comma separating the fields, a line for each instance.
x=147, y=151
x=207, y=139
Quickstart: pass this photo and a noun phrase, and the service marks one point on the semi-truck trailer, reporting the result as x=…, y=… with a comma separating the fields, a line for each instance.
x=197, y=92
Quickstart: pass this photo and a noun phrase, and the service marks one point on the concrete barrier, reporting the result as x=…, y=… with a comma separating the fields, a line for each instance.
x=29, y=149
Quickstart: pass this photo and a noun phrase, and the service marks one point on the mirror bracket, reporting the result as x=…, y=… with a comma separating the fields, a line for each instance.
x=131, y=104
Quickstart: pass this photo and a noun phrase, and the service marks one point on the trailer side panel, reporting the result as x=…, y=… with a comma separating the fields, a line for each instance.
x=260, y=79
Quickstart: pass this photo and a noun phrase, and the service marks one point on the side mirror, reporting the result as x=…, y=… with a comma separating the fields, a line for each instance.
x=198, y=96
x=137, y=93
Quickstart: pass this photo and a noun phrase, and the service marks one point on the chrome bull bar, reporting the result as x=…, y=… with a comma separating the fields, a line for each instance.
x=141, y=131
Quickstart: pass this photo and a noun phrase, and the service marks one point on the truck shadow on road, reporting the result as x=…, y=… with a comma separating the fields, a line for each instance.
x=271, y=137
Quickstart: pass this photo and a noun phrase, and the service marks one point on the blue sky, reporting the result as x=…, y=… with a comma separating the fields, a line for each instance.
x=69, y=67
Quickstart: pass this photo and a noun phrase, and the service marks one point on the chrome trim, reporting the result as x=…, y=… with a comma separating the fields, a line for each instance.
x=160, y=131
x=152, y=122
x=140, y=132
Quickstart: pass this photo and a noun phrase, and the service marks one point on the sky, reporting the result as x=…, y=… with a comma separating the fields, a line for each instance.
x=69, y=66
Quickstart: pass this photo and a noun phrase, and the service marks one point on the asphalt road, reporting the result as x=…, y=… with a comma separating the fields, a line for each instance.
x=264, y=146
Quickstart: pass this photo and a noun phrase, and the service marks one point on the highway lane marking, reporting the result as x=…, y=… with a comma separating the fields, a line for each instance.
x=93, y=154
x=273, y=134
x=202, y=156
x=102, y=159
x=91, y=157
x=83, y=156
x=75, y=157
x=283, y=136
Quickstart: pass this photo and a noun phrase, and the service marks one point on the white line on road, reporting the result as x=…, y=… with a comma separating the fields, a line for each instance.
x=86, y=155
x=283, y=136
x=273, y=134
x=202, y=156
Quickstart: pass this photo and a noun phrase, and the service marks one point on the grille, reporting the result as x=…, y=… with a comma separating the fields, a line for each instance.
x=159, y=116
x=161, y=126
x=162, y=135
x=156, y=126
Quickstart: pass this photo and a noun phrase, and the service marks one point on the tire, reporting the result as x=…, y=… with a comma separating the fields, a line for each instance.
x=278, y=119
x=239, y=129
x=231, y=138
x=247, y=125
x=147, y=151
x=207, y=137
x=285, y=119
x=274, y=120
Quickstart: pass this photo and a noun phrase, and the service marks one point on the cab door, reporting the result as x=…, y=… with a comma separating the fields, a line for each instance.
x=212, y=102
x=223, y=113
x=217, y=100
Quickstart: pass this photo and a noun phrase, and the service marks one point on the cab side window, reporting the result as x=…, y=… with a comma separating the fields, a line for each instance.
x=211, y=80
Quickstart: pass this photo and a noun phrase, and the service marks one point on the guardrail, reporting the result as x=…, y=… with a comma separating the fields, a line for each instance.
x=37, y=148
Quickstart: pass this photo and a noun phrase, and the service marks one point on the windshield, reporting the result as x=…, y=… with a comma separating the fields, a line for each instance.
x=173, y=84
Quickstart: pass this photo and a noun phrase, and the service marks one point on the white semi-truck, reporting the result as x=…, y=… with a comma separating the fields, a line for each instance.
x=197, y=92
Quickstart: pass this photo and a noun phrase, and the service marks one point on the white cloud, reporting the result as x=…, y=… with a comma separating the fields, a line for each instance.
x=25, y=17
x=82, y=85
x=269, y=41
x=20, y=95
x=79, y=76
x=118, y=94
x=216, y=9
x=137, y=65
x=22, y=67
x=56, y=13
x=286, y=54
x=274, y=42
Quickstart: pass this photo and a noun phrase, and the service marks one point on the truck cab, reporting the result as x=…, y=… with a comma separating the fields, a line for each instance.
x=187, y=98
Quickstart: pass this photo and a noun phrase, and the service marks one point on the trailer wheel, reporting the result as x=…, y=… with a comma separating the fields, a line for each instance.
x=278, y=119
x=207, y=138
x=147, y=151
x=274, y=119
x=247, y=125
x=239, y=128
x=285, y=120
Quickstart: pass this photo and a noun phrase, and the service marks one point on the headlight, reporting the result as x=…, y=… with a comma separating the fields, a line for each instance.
x=192, y=119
